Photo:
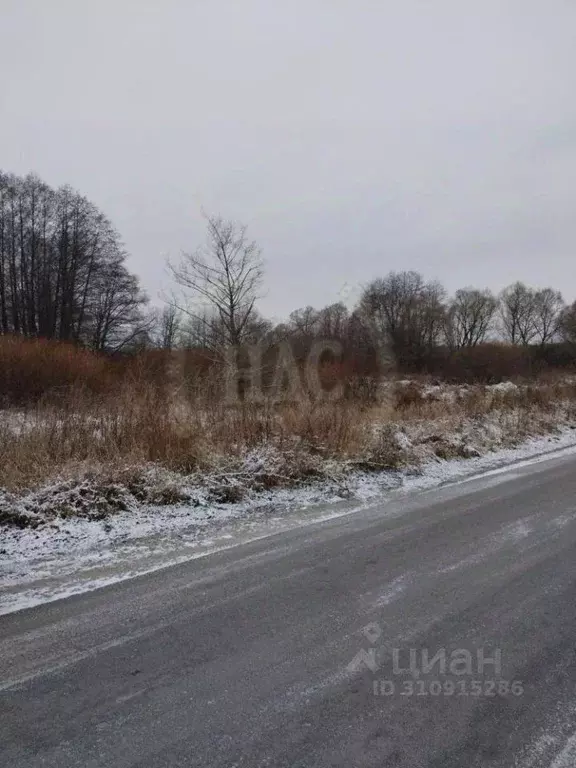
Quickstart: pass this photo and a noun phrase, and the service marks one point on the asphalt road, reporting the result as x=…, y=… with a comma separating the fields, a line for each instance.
x=295, y=650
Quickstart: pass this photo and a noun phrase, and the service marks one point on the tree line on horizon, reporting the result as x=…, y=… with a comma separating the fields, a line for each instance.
x=63, y=276
x=403, y=314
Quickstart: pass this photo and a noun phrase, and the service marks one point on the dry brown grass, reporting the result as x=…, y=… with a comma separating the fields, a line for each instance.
x=82, y=434
x=145, y=424
x=30, y=368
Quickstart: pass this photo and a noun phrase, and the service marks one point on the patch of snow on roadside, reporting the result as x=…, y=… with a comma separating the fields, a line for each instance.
x=503, y=387
x=74, y=554
x=567, y=758
x=394, y=590
x=552, y=747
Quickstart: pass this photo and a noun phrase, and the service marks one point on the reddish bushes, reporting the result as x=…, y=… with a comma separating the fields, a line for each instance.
x=492, y=362
x=31, y=368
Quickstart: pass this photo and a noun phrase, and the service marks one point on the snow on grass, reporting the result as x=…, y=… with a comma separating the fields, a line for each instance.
x=96, y=525
x=75, y=554
x=503, y=386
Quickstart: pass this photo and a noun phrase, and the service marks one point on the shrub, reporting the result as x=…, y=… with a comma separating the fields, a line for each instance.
x=32, y=368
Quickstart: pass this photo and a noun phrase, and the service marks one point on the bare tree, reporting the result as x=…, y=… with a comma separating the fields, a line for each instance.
x=200, y=329
x=518, y=314
x=224, y=279
x=548, y=307
x=58, y=253
x=470, y=316
x=333, y=321
x=117, y=318
x=304, y=322
x=406, y=312
x=328, y=322
x=567, y=324
x=168, y=327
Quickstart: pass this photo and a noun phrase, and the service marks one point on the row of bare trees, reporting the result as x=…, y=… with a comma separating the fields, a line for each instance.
x=63, y=276
x=62, y=268
x=415, y=312
x=402, y=312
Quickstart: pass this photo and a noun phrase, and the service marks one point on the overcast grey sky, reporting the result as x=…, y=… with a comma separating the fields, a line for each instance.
x=352, y=136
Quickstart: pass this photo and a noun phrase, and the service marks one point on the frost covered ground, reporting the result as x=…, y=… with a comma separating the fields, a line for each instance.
x=66, y=555
x=95, y=524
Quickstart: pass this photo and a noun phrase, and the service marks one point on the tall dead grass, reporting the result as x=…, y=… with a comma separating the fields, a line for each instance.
x=142, y=423
x=31, y=368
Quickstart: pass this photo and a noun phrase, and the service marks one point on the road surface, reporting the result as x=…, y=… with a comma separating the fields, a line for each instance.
x=295, y=650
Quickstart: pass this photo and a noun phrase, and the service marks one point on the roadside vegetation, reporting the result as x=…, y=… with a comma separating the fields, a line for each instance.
x=141, y=432
x=105, y=403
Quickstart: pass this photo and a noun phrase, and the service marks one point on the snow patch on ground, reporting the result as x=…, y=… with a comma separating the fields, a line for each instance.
x=555, y=745
x=394, y=590
x=503, y=386
x=567, y=758
x=74, y=555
